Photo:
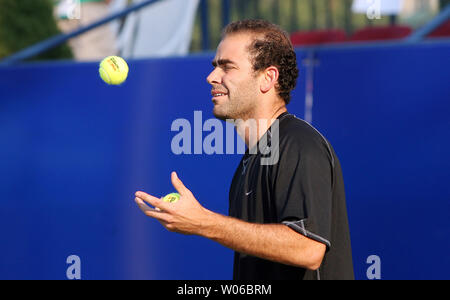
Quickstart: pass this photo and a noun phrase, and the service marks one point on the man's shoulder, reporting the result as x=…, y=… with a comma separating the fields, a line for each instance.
x=298, y=133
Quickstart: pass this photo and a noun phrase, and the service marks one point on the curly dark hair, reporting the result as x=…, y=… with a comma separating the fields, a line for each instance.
x=271, y=47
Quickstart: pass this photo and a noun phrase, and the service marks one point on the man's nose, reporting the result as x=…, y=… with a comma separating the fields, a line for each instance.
x=214, y=77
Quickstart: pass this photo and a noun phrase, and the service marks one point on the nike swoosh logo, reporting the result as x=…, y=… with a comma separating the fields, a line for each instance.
x=248, y=193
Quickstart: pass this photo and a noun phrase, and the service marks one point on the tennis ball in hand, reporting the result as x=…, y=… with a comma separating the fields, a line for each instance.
x=113, y=70
x=172, y=198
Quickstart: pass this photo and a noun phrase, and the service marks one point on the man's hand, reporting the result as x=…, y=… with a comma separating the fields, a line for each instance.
x=275, y=242
x=185, y=216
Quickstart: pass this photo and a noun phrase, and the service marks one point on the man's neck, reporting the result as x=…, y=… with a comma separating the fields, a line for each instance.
x=253, y=129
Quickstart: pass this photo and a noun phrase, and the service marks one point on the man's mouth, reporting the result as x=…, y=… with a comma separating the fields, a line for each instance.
x=217, y=94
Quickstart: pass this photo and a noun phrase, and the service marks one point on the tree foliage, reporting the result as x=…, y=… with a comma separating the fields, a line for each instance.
x=26, y=22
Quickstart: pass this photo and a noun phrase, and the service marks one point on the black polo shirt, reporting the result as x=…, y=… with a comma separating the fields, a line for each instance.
x=298, y=184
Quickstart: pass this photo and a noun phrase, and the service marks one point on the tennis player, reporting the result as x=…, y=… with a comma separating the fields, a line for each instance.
x=288, y=218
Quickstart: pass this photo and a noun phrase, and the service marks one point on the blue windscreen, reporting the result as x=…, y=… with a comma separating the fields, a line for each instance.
x=74, y=151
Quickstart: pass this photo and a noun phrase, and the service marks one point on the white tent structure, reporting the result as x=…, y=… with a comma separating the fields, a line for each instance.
x=374, y=9
x=161, y=29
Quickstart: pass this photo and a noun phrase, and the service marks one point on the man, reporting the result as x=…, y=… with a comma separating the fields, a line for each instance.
x=288, y=218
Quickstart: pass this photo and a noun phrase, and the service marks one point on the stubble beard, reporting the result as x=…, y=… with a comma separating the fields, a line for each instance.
x=240, y=104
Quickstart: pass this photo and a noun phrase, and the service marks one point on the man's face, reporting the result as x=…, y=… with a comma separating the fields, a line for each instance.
x=234, y=85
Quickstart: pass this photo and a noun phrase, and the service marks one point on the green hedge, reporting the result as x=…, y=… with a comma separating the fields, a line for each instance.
x=27, y=22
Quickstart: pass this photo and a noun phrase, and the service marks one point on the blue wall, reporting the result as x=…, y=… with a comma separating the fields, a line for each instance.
x=73, y=152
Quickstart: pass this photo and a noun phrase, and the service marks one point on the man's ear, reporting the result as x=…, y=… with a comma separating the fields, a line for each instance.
x=269, y=79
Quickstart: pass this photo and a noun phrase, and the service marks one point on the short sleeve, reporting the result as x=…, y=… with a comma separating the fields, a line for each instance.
x=302, y=188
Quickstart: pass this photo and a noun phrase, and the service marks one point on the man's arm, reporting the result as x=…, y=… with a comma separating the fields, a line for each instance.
x=275, y=242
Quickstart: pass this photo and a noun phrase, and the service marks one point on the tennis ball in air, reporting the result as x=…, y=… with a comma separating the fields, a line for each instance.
x=113, y=70
x=171, y=198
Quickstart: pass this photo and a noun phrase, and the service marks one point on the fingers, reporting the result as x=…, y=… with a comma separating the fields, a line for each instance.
x=161, y=216
x=151, y=212
x=157, y=208
x=178, y=184
x=153, y=201
x=144, y=207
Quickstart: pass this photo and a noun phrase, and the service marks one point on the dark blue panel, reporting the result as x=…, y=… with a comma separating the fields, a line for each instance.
x=385, y=110
x=73, y=152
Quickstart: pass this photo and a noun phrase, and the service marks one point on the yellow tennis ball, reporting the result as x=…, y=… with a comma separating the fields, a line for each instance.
x=172, y=198
x=113, y=70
